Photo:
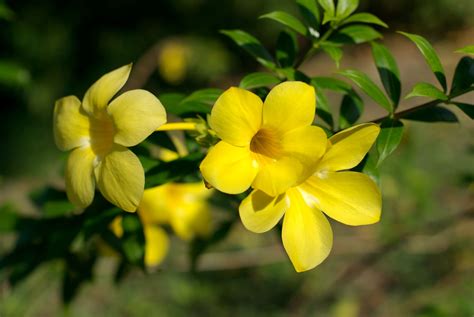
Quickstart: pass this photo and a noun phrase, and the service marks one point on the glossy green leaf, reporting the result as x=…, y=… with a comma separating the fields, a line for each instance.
x=310, y=12
x=432, y=114
x=345, y=8
x=207, y=96
x=256, y=80
x=355, y=34
x=388, y=71
x=287, y=20
x=252, y=46
x=369, y=87
x=466, y=50
x=364, y=17
x=430, y=57
x=200, y=101
x=351, y=109
x=286, y=49
x=463, y=76
x=323, y=110
x=328, y=7
x=468, y=109
x=331, y=84
x=426, y=90
x=391, y=132
x=334, y=51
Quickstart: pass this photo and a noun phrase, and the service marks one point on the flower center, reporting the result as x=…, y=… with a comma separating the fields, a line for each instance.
x=102, y=134
x=266, y=145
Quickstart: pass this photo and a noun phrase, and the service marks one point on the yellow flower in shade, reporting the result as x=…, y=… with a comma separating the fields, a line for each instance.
x=98, y=131
x=182, y=206
x=348, y=197
x=270, y=146
x=172, y=61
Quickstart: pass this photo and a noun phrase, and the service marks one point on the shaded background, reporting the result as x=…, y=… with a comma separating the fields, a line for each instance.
x=412, y=263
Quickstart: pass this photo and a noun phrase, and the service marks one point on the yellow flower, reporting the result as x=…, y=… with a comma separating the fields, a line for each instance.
x=183, y=206
x=172, y=61
x=98, y=131
x=270, y=146
x=348, y=197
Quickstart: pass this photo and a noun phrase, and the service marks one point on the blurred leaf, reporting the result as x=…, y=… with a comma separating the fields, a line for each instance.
x=345, y=8
x=466, y=50
x=206, y=96
x=468, y=109
x=133, y=239
x=287, y=49
x=287, y=20
x=369, y=166
x=12, y=74
x=252, y=46
x=5, y=12
x=328, y=6
x=256, y=80
x=199, y=101
x=426, y=90
x=98, y=221
x=388, y=71
x=8, y=218
x=432, y=114
x=78, y=270
x=52, y=202
x=171, y=100
x=369, y=87
x=389, y=138
x=355, y=34
x=334, y=51
x=322, y=105
x=430, y=56
x=364, y=17
x=464, y=75
x=352, y=108
x=310, y=12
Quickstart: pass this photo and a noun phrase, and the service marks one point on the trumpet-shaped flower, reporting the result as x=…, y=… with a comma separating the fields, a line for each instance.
x=348, y=197
x=98, y=132
x=270, y=146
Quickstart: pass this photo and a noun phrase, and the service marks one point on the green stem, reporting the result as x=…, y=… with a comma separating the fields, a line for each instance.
x=314, y=47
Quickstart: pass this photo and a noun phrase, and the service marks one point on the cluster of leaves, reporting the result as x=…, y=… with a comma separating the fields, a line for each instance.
x=74, y=238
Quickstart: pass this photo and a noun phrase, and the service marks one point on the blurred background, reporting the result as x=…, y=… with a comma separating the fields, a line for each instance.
x=418, y=261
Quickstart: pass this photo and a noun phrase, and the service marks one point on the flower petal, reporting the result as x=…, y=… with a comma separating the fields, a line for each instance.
x=156, y=245
x=229, y=168
x=308, y=145
x=276, y=177
x=349, y=147
x=190, y=219
x=289, y=105
x=70, y=124
x=237, y=116
x=103, y=90
x=136, y=114
x=121, y=179
x=154, y=207
x=348, y=197
x=80, y=183
x=306, y=234
x=260, y=212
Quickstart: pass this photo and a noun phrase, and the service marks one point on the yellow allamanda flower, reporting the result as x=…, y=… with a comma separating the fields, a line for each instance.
x=98, y=131
x=348, y=197
x=270, y=146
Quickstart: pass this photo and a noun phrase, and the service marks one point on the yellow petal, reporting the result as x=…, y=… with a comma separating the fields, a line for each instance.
x=80, y=183
x=228, y=168
x=236, y=116
x=289, y=105
x=121, y=179
x=306, y=234
x=348, y=197
x=154, y=206
x=70, y=124
x=102, y=91
x=260, y=212
x=349, y=147
x=136, y=114
x=307, y=144
x=190, y=219
x=156, y=245
x=276, y=177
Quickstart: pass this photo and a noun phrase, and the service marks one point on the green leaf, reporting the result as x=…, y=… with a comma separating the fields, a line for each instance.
x=432, y=114
x=468, y=109
x=388, y=71
x=334, y=51
x=389, y=138
x=463, y=76
x=430, y=57
x=13, y=74
x=286, y=49
x=8, y=218
x=133, y=240
x=310, y=12
x=252, y=46
x=322, y=105
x=369, y=87
x=351, y=109
x=207, y=96
x=355, y=34
x=287, y=20
x=199, y=101
x=426, y=90
x=256, y=80
x=345, y=8
x=331, y=84
x=328, y=6
x=364, y=17
x=466, y=50
x=6, y=13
